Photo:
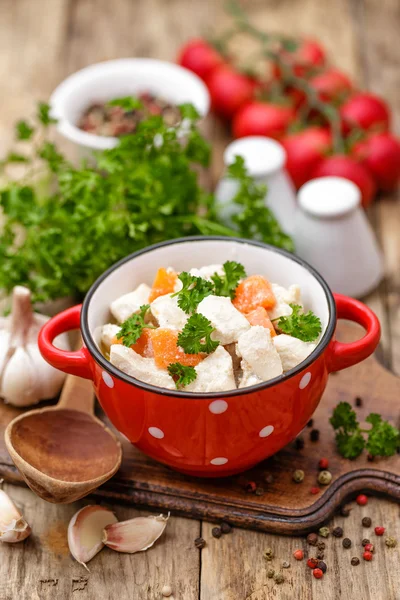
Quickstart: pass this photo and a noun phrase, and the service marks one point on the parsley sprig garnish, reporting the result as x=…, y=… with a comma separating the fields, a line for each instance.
x=195, y=337
x=226, y=284
x=181, y=374
x=383, y=439
x=132, y=328
x=304, y=326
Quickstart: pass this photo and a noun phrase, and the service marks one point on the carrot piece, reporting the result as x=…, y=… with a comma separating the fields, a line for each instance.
x=143, y=346
x=167, y=351
x=164, y=283
x=252, y=292
x=259, y=316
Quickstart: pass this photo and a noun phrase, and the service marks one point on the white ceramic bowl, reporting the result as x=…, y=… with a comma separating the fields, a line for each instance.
x=105, y=81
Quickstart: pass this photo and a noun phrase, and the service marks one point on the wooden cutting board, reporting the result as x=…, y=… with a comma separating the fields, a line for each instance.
x=284, y=506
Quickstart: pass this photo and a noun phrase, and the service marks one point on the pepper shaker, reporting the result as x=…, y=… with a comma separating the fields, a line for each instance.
x=333, y=234
x=264, y=159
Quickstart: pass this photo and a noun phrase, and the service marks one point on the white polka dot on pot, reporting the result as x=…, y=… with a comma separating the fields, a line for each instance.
x=108, y=380
x=156, y=432
x=218, y=461
x=266, y=431
x=305, y=380
x=218, y=407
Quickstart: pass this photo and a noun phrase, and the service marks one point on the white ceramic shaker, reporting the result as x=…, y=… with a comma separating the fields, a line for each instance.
x=265, y=161
x=333, y=234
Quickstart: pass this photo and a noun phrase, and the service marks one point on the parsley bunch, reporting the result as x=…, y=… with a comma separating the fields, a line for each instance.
x=304, y=326
x=63, y=229
x=383, y=439
x=132, y=328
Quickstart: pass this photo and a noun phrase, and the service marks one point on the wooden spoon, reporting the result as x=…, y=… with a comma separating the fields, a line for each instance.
x=64, y=452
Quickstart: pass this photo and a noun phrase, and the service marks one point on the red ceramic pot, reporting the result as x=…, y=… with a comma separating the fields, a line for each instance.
x=213, y=434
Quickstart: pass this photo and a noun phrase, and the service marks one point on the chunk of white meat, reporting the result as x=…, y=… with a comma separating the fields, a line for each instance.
x=284, y=297
x=167, y=312
x=257, y=349
x=228, y=322
x=128, y=304
x=208, y=271
x=144, y=369
x=292, y=350
x=248, y=376
x=108, y=333
x=214, y=373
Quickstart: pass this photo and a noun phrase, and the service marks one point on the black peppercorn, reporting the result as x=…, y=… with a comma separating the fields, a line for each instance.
x=320, y=555
x=322, y=565
x=314, y=435
x=310, y=423
x=321, y=545
x=338, y=532
x=366, y=522
x=216, y=531
x=199, y=543
x=355, y=561
x=346, y=543
x=312, y=539
x=225, y=527
x=359, y=401
x=299, y=443
x=365, y=542
x=344, y=511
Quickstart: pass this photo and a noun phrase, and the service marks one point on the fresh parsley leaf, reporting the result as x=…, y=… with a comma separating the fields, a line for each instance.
x=188, y=111
x=383, y=438
x=194, y=290
x=132, y=328
x=181, y=374
x=23, y=130
x=43, y=114
x=195, y=337
x=226, y=284
x=350, y=445
x=304, y=326
x=128, y=103
x=344, y=417
x=14, y=157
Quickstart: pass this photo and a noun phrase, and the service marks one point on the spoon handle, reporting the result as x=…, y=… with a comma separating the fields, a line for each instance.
x=77, y=394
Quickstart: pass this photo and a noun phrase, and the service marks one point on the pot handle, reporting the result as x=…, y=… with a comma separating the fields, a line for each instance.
x=75, y=363
x=346, y=355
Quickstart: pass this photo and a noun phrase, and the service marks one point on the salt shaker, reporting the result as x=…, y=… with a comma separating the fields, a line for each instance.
x=332, y=233
x=264, y=159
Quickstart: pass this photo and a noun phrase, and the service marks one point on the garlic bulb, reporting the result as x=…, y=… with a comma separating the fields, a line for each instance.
x=85, y=532
x=13, y=527
x=25, y=377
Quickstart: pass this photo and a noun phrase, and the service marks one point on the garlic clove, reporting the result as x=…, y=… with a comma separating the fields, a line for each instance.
x=19, y=381
x=85, y=532
x=13, y=527
x=136, y=534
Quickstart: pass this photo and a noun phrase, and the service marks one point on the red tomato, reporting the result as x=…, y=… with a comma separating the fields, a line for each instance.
x=200, y=57
x=229, y=90
x=349, y=168
x=262, y=118
x=308, y=56
x=304, y=151
x=366, y=111
x=332, y=84
x=380, y=154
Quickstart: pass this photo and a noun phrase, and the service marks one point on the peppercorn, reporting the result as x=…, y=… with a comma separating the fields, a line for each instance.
x=199, y=543
x=367, y=522
x=324, y=478
x=166, y=591
x=338, y=532
x=358, y=401
x=355, y=561
x=324, y=532
x=345, y=511
x=269, y=478
x=299, y=443
x=216, y=532
x=268, y=554
x=312, y=539
x=310, y=423
x=320, y=555
x=270, y=573
x=369, y=547
x=314, y=490
x=318, y=573
x=322, y=565
x=259, y=491
x=365, y=542
x=391, y=542
x=298, y=476
x=314, y=435
x=321, y=545
x=225, y=527
x=312, y=563
x=323, y=464
x=250, y=487
x=379, y=530
x=367, y=555
x=285, y=564
x=370, y=458
x=298, y=554
x=362, y=500
x=346, y=543
x=279, y=578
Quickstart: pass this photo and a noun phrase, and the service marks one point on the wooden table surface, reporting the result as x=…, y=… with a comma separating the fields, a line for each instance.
x=42, y=41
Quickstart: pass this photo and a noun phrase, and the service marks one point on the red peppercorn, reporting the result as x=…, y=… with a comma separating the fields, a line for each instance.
x=323, y=464
x=369, y=547
x=379, y=530
x=362, y=500
x=312, y=563
x=250, y=487
x=318, y=574
x=314, y=490
x=367, y=555
x=298, y=554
